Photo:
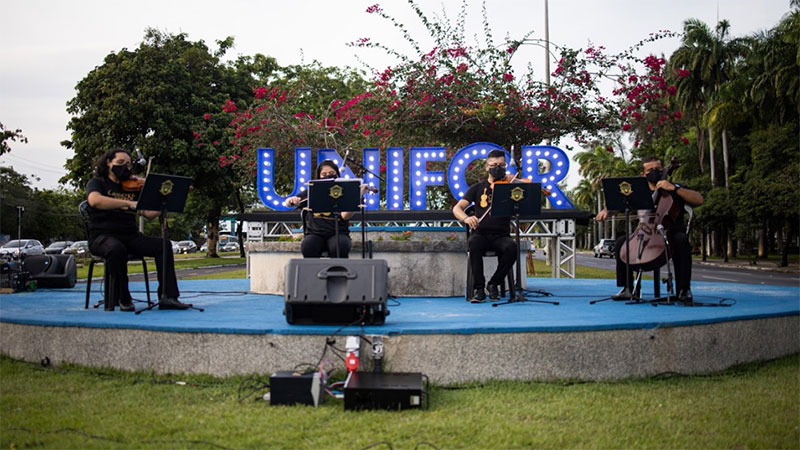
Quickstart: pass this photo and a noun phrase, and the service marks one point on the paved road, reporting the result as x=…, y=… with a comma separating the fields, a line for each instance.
x=706, y=272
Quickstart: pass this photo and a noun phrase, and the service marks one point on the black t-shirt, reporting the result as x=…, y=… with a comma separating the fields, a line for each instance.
x=322, y=224
x=111, y=221
x=480, y=194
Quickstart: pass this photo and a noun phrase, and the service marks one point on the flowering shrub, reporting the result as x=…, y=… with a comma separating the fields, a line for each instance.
x=648, y=107
x=451, y=95
x=404, y=236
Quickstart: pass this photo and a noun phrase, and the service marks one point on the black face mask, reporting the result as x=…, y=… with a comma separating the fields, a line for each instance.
x=654, y=176
x=121, y=172
x=497, y=172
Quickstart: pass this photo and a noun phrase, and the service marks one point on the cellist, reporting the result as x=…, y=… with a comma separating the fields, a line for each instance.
x=652, y=168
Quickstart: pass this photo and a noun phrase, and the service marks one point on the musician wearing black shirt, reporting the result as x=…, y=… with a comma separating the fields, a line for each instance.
x=652, y=169
x=489, y=233
x=113, y=234
x=320, y=228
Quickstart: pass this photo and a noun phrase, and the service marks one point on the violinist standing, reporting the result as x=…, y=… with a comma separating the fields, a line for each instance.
x=489, y=232
x=113, y=234
x=652, y=169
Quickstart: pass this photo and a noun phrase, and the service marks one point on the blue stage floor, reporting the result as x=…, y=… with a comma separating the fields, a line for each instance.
x=230, y=308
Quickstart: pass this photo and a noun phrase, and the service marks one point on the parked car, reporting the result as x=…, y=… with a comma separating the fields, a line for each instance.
x=231, y=246
x=604, y=248
x=78, y=248
x=21, y=248
x=57, y=247
x=187, y=247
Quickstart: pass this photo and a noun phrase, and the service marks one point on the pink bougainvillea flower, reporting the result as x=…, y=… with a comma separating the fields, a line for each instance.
x=206, y=116
x=507, y=77
x=229, y=106
x=374, y=9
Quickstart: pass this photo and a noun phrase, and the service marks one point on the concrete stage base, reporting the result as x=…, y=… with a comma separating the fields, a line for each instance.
x=445, y=358
x=416, y=268
x=448, y=339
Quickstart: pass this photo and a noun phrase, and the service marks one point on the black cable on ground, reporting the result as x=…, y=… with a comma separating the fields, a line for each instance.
x=118, y=441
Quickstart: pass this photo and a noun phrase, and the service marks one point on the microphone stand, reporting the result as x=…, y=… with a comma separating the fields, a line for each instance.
x=626, y=293
x=364, y=243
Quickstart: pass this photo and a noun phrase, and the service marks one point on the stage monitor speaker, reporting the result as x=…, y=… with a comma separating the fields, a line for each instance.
x=52, y=271
x=336, y=291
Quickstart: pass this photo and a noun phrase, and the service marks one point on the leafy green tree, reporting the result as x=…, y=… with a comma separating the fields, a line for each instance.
x=712, y=57
x=47, y=214
x=154, y=98
x=9, y=135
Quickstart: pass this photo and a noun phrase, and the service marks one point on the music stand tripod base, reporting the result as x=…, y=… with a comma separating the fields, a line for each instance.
x=164, y=193
x=511, y=200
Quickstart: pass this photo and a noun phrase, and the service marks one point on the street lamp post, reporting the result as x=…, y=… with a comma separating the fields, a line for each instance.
x=20, y=210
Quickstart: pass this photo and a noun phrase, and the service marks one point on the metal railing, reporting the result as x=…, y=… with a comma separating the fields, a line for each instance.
x=556, y=226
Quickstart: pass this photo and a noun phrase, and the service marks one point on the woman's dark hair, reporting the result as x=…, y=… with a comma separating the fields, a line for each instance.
x=329, y=163
x=101, y=165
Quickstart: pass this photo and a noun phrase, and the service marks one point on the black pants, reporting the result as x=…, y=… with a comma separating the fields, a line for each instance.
x=681, y=259
x=503, y=245
x=313, y=245
x=115, y=250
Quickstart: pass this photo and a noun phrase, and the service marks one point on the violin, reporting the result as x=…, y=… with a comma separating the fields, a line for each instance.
x=648, y=250
x=133, y=184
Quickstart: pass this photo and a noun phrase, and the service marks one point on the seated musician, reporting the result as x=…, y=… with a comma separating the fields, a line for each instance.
x=113, y=234
x=489, y=233
x=320, y=231
x=652, y=168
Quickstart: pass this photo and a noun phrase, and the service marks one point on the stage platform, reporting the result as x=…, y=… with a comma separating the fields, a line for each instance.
x=448, y=339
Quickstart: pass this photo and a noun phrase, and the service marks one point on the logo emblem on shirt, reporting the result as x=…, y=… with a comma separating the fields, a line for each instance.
x=484, y=197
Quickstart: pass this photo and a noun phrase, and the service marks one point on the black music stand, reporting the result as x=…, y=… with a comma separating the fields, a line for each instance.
x=165, y=193
x=334, y=196
x=626, y=194
x=366, y=246
x=515, y=200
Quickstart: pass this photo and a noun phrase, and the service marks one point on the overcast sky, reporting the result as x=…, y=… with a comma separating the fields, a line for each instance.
x=46, y=47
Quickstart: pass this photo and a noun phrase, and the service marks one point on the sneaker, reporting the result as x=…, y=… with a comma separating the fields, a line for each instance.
x=172, y=303
x=126, y=305
x=494, y=292
x=623, y=294
x=478, y=296
x=686, y=297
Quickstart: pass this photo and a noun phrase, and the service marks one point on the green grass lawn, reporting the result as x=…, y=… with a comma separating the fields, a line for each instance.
x=181, y=262
x=752, y=406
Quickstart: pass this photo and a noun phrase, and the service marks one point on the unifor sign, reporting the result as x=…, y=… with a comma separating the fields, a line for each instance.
x=419, y=178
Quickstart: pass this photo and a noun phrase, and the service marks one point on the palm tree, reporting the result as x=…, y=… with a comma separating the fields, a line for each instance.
x=598, y=164
x=710, y=57
x=583, y=196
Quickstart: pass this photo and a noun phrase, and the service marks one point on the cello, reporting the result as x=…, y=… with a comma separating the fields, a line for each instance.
x=647, y=243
